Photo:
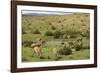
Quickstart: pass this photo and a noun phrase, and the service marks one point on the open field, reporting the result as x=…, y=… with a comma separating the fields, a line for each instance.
x=78, y=55
x=55, y=30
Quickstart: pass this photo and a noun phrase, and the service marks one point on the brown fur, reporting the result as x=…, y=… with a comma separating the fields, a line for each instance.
x=37, y=50
x=55, y=51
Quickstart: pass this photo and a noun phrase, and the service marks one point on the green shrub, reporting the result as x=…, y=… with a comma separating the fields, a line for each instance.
x=49, y=33
x=26, y=43
x=23, y=31
x=73, y=36
x=57, y=34
x=53, y=28
x=83, y=34
x=86, y=47
x=36, y=32
x=71, y=43
x=72, y=33
x=78, y=47
x=86, y=34
x=65, y=51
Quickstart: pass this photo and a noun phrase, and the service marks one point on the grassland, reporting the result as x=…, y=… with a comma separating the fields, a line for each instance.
x=46, y=27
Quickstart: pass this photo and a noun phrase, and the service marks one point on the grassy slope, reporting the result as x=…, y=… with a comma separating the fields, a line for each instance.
x=74, y=22
x=68, y=22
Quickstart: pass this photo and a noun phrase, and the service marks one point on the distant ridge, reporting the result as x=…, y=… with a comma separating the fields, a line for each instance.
x=37, y=13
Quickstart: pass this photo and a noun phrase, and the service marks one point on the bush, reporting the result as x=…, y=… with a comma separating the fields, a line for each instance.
x=78, y=47
x=26, y=43
x=65, y=51
x=86, y=47
x=57, y=34
x=36, y=32
x=72, y=33
x=53, y=28
x=86, y=34
x=71, y=43
x=73, y=36
x=49, y=33
x=24, y=32
x=83, y=34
